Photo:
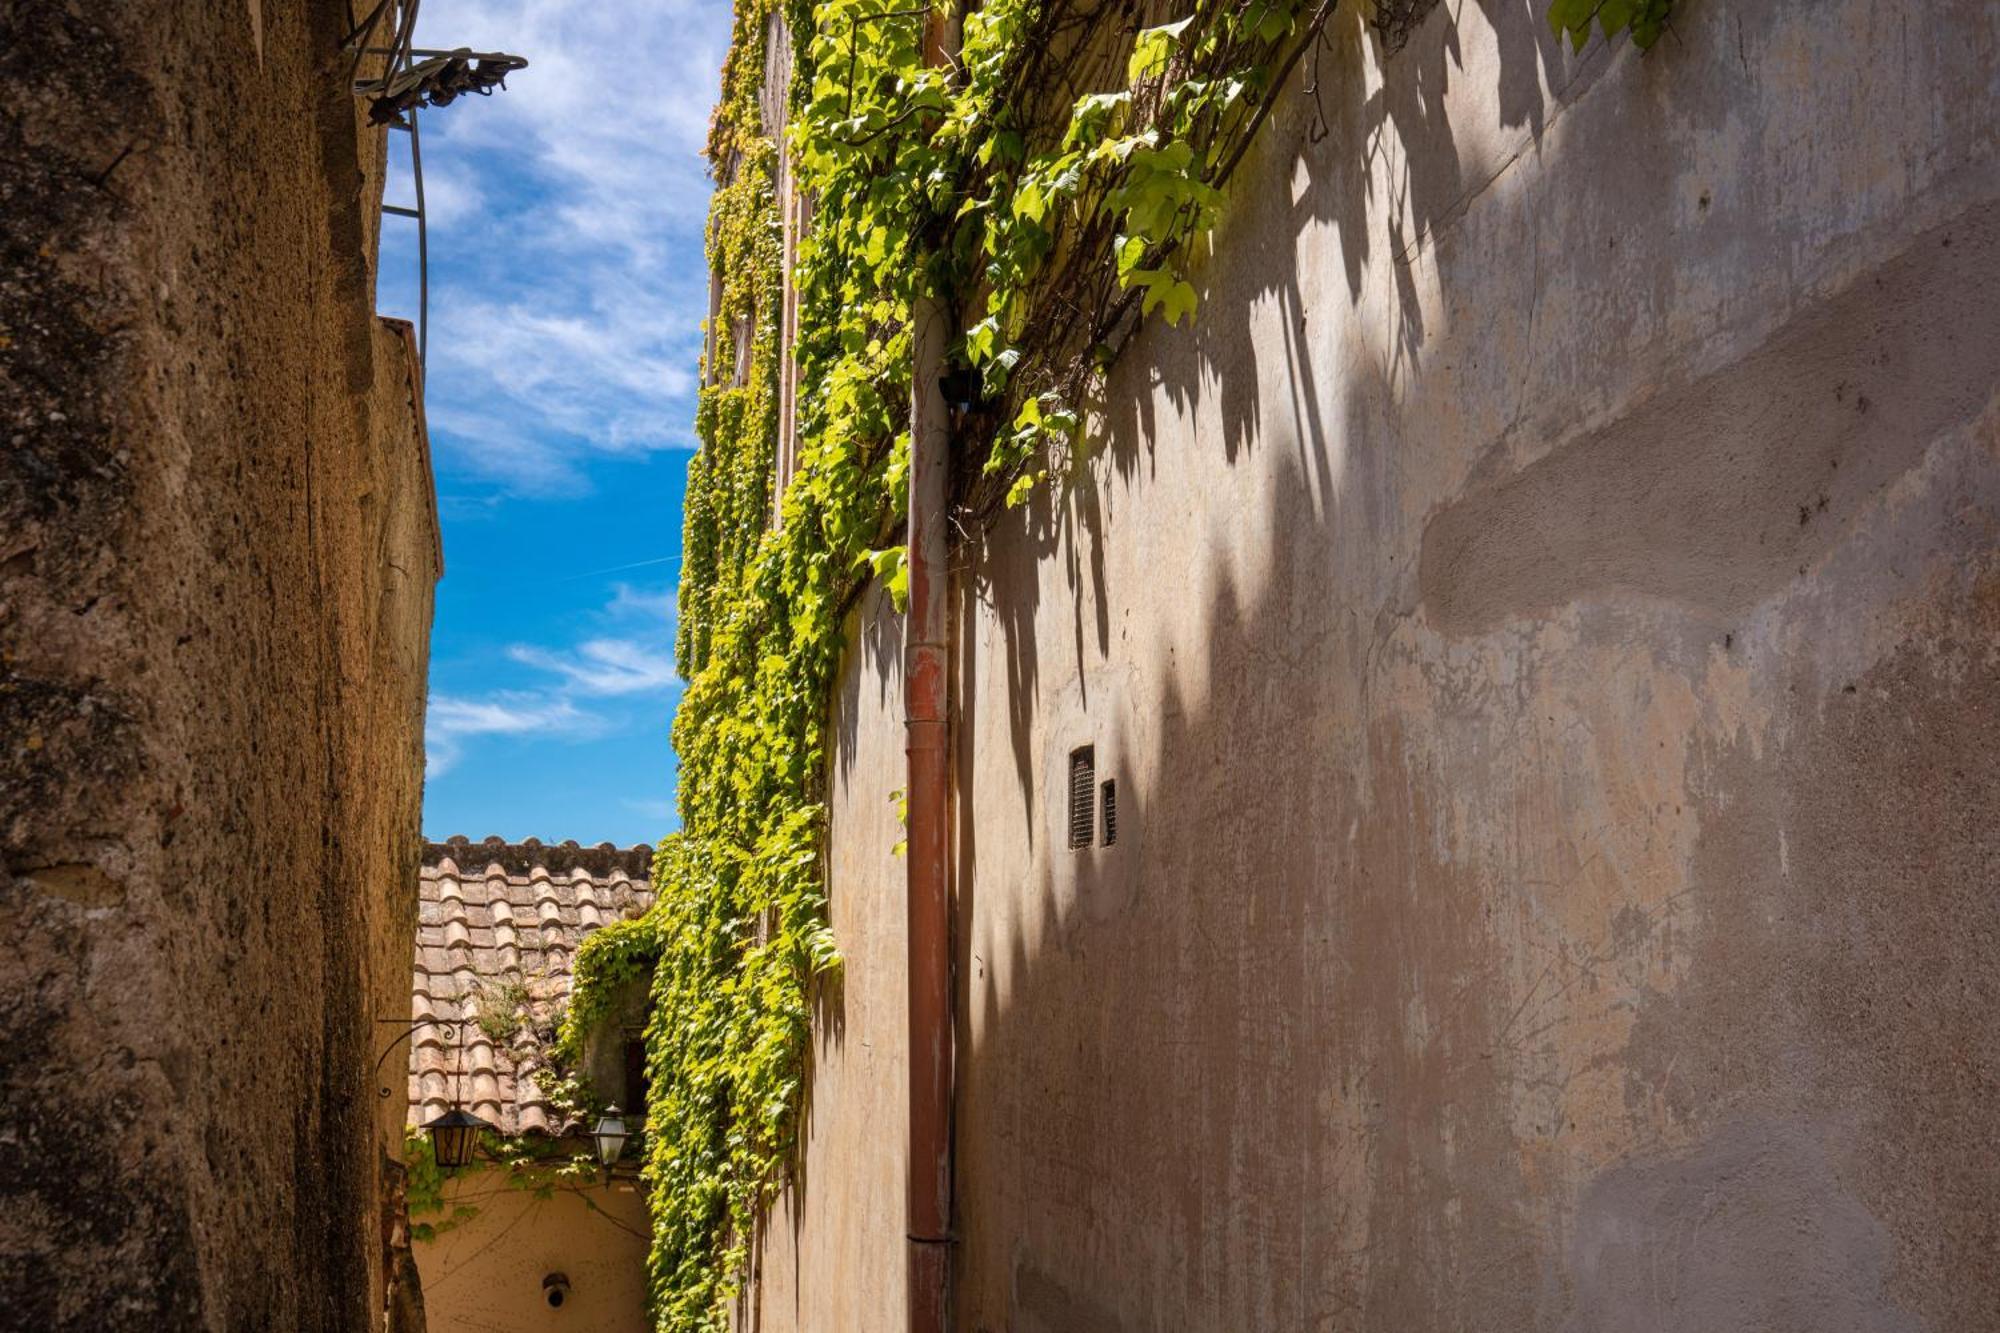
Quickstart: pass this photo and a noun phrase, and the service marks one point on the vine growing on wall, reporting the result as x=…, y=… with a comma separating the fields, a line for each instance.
x=1051, y=185
x=528, y=1162
x=1645, y=20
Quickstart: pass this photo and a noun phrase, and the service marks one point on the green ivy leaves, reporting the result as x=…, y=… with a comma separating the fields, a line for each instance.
x=739, y=930
x=891, y=566
x=1043, y=224
x=1171, y=295
x=1153, y=48
x=919, y=175
x=1644, y=19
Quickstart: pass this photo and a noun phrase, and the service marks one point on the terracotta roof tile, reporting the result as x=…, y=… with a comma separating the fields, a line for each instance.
x=497, y=915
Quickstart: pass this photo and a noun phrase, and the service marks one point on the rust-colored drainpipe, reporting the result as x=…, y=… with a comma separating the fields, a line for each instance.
x=927, y=715
x=927, y=711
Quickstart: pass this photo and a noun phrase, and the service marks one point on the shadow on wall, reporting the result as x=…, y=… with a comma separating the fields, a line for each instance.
x=1518, y=937
x=1324, y=1055
x=1339, y=135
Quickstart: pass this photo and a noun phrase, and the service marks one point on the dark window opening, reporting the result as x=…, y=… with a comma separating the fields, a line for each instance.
x=1082, y=791
x=1110, y=807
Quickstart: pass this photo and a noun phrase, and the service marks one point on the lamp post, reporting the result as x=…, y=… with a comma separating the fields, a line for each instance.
x=610, y=1135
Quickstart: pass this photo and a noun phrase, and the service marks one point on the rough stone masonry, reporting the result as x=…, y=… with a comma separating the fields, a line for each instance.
x=217, y=549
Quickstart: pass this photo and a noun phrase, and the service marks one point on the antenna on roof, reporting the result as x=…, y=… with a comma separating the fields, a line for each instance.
x=438, y=79
x=414, y=77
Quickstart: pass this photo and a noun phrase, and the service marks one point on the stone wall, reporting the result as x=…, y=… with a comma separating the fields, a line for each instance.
x=217, y=549
x=1544, y=621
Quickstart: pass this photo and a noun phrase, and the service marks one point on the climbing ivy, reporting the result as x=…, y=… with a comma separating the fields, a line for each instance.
x=1644, y=19
x=424, y=1190
x=1050, y=186
x=740, y=926
x=530, y=1162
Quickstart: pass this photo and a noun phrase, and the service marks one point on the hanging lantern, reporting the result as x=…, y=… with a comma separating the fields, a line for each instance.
x=455, y=1137
x=611, y=1135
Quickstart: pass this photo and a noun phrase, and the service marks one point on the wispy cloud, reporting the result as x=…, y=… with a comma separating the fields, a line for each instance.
x=604, y=666
x=638, y=662
x=590, y=161
x=451, y=192
x=615, y=101
x=452, y=720
x=661, y=603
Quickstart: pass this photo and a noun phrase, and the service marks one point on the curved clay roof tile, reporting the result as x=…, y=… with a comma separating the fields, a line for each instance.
x=497, y=911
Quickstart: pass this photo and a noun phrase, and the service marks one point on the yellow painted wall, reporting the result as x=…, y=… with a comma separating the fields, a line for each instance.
x=485, y=1275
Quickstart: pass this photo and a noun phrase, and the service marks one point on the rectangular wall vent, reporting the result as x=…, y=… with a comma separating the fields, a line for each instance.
x=1082, y=793
x=1109, y=806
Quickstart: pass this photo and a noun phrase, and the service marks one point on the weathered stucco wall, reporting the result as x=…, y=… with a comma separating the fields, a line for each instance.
x=486, y=1275
x=217, y=549
x=1544, y=621
x=830, y=1254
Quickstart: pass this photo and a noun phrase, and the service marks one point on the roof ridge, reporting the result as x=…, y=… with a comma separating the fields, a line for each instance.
x=518, y=858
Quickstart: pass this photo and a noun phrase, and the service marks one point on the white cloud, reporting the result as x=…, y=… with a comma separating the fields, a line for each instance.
x=615, y=100
x=451, y=192
x=567, y=210
x=604, y=666
x=601, y=667
x=452, y=719
x=614, y=380
x=642, y=603
x=503, y=451
x=457, y=507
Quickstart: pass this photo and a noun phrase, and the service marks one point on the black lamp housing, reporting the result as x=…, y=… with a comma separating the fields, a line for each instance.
x=455, y=1137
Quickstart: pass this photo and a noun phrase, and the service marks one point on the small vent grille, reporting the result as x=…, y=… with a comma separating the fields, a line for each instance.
x=1109, y=805
x=1082, y=788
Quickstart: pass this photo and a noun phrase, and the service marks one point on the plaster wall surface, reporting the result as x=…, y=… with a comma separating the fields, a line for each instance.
x=830, y=1252
x=1544, y=620
x=485, y=1275
x=217, y=550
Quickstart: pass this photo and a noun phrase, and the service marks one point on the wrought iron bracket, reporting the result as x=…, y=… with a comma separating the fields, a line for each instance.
x=448, y=1026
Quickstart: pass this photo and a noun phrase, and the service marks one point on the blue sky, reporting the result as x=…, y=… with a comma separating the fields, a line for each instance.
x=567, y=289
